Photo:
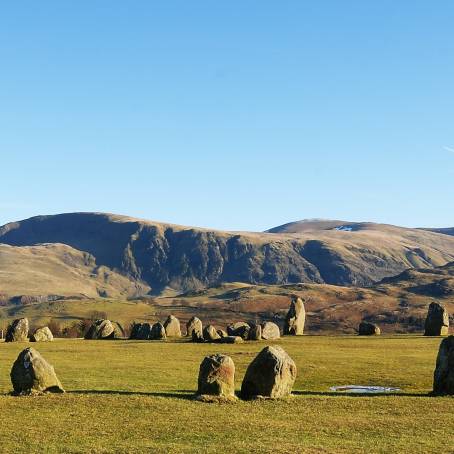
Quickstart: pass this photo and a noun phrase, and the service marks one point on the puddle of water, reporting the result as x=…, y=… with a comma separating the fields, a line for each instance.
x=359, y=389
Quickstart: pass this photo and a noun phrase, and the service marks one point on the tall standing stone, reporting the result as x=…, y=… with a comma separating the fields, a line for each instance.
x=172, y=327
x=296, y=318
x=444, y=369
x=437, y=320
x=32, y=373
x=217, y=376
x=271, y=374
x=194, y=324
x=18, y=331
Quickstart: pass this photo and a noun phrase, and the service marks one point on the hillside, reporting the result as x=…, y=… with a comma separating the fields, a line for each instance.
x=398, y=305
x=181, y=258
x=58, y=270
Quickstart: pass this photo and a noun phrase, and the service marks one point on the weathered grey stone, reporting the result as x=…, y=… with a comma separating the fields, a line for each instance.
x=158, y=331
x=296, y=318
x=271, y=374
x=217, y=376
x=194, y=324
x=437, y=320
x=197, y=337
x=270, y=331
x=255, y=333
x=172, y=327
x=210, y=334
x=135, y=329
x=368, y=329
x=231, y=340
x=42, y=335
x=32, y=373
x=444, y=370
x=18, y=331
x=101, y=330
x=239, y=329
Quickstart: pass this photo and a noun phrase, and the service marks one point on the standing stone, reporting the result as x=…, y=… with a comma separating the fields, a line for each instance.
x=144, y=332
x=32, y=373
x=210, y=334
x=217, y=376
x=296, y=318
x=42, y=335
x=222, y=333
x=437, y=320
x=135, y=330
x=444, y=370
x=271, y=374
x=255, y=333
x=270, y=331
x=18, y=331
x=197, y=337
x=194, y=324
x=158, y=332
x=368, y=329
x=172, y=327
x=239, y=329
x=101, y=330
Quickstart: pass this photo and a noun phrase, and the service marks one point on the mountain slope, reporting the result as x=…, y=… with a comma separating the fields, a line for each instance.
x=59, y=270
x=183, y=258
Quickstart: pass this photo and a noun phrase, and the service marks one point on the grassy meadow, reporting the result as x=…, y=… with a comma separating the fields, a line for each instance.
x=136, y=396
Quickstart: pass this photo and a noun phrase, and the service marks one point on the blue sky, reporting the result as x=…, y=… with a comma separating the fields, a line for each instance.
x=237, y=115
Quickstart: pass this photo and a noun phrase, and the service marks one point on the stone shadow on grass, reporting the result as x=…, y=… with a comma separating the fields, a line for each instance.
x=347, y=394
x=180, y=394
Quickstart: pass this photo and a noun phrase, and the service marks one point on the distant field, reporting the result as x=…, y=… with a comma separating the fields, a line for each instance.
x=135, y=396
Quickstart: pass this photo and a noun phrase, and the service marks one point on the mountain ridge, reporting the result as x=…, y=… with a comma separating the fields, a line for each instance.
x=161, y=255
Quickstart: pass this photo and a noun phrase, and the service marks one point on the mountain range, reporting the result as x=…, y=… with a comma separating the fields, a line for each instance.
x=107, y=255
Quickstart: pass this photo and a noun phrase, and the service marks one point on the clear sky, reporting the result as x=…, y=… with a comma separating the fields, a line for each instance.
x=238, y=115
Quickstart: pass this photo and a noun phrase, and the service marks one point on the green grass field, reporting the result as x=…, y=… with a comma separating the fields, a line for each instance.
x=134, y=396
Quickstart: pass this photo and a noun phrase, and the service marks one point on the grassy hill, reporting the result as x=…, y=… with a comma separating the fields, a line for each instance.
x=59, y=270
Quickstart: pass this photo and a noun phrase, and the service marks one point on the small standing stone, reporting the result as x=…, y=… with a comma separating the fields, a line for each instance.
x=444, y=370
x=158, y=331
x=101, y=330
x=217, y=376
x=271, y=374
x=296, y=318
x=255, y=333
x=18, y=331
x=32, y=373
x=437, y=320
x=270, y=331
x=42, y=335
x=368, y=329
x=210, y=334
x=194, y=324
x=239, y=329
x=172, y=327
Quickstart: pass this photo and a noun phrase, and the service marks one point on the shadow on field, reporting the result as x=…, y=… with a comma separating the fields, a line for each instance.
x=346, y=394
x=181, y=394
